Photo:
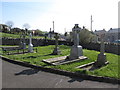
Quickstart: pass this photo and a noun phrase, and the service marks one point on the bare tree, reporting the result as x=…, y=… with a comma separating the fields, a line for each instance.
x=26, y=26
x=10, y=24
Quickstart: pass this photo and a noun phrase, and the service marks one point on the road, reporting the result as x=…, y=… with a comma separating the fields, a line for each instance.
x=16, y=76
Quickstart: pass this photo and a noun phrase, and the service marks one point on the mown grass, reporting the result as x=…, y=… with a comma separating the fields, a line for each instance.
x=110, y=70
x=7, y=35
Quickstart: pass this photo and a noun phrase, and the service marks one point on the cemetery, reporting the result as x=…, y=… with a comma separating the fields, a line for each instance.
x=73, y=58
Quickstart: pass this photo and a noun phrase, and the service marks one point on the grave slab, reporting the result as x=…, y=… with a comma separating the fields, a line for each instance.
x=63, y=60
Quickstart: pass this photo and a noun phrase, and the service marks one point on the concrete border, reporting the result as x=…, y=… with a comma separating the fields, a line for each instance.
x=66, y=73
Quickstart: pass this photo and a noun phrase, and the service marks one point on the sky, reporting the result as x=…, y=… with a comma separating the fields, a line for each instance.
x=40, y=14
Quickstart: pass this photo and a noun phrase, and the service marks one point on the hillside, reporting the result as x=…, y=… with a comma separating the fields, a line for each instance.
x=7, y=35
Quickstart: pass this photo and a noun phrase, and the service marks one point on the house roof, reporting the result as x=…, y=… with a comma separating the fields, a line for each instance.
x=115, y=30
x=3, y=25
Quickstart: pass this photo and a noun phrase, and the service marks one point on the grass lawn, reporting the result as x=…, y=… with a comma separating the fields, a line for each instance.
x=110, y=70
x=7, y=35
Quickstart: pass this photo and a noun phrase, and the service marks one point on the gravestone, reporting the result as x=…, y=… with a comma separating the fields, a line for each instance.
x=50, y=34
x=56, y=50
x=101, y=59
x=24, y=44
x=30, y=48
x=76, y=49
x=21, y=42
x=45, y=41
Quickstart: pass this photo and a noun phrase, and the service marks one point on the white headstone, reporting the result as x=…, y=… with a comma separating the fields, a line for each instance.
x=30, y=48
x=21, y=42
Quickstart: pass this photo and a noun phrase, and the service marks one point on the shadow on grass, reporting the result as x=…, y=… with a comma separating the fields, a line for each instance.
x=28, y=72
x=82, y=72
x=94, y=68
x=89, y=68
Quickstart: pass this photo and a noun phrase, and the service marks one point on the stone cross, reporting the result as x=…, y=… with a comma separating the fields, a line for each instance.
x=30, y=48
x=101, y=59
x=24, y=38
x=50, y=33
x=56, y=40
x=102, y=47
x=76, y=31
x=30, y=38
x=21, y=42
x=56, y=49
x=76, y=49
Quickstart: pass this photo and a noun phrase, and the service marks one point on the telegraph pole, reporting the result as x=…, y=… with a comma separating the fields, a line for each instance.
x=65, y=29
x=91, y=22
x=53, y=26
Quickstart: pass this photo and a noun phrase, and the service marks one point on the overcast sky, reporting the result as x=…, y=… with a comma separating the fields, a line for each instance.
x=40, y=14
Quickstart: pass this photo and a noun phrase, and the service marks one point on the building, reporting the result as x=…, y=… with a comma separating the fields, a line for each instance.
x=4, y=28
x=100, y=33
x=112, y=35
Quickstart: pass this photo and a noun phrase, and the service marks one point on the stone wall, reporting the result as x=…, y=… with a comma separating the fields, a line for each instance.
x=110, y=48
x=35, y=42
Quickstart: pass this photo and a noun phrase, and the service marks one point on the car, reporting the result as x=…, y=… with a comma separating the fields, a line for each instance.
x=116, y=41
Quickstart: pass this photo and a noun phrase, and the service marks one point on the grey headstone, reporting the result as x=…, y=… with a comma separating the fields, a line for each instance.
x=56, y=50
x=101, y=59
x=76, y=49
